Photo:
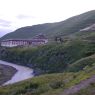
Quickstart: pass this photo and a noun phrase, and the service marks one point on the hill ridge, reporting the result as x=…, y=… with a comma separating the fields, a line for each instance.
x=63, y=28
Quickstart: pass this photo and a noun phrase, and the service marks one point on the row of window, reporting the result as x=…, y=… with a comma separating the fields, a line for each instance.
x=21, y=43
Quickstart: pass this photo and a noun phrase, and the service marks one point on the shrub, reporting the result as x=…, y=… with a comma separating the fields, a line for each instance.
x=57, y=84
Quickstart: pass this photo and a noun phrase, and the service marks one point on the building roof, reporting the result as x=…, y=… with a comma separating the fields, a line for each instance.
x=37, y=38
x=31, y=40
x=41, y=36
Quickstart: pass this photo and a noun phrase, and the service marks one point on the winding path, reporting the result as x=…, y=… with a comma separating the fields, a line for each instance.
x=21, y=74
x=83, y=84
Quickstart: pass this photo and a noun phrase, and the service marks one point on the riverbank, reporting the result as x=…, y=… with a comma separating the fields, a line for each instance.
x=6, y=73
x=22, y=73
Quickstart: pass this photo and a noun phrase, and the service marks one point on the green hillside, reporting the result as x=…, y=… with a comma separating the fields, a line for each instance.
x=62, y=67
x=52, y=84
x=68, y=63
x=64, y=28
x=49, y=58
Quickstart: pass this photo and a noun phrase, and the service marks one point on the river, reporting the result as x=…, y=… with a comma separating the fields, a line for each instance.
x=21, y=74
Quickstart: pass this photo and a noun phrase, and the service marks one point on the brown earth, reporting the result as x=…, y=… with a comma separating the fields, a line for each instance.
x=83, y=84
x=6, y=73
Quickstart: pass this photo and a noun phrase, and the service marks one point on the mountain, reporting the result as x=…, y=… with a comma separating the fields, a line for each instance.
x=63, y=28
x=63, y=68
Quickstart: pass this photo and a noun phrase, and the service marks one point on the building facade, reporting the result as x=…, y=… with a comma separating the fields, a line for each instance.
x=38, y=40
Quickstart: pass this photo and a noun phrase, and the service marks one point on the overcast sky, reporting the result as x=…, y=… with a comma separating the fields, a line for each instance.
x=19, y=13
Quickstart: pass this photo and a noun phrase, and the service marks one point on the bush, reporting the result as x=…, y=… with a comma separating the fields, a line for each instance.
x=56, y=84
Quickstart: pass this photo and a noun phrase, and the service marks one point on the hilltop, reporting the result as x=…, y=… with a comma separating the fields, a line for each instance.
x=64, y=28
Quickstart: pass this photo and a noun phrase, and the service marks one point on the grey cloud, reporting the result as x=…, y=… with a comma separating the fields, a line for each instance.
x=4, y=23
x=25, y=16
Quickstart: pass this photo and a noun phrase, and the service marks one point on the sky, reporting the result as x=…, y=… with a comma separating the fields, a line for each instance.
x=19, y=13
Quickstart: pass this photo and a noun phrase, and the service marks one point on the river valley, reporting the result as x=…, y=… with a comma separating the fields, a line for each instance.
x=21, y=74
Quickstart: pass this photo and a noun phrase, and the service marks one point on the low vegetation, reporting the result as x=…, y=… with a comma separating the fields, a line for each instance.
x=90, y=90
x=50, y=58
x=50, y=84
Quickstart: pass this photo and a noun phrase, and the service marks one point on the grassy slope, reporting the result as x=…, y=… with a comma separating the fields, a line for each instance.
x=52, y=84
x=78, y=54
x=67, y=27
x=49, y=58
x=90, y=90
